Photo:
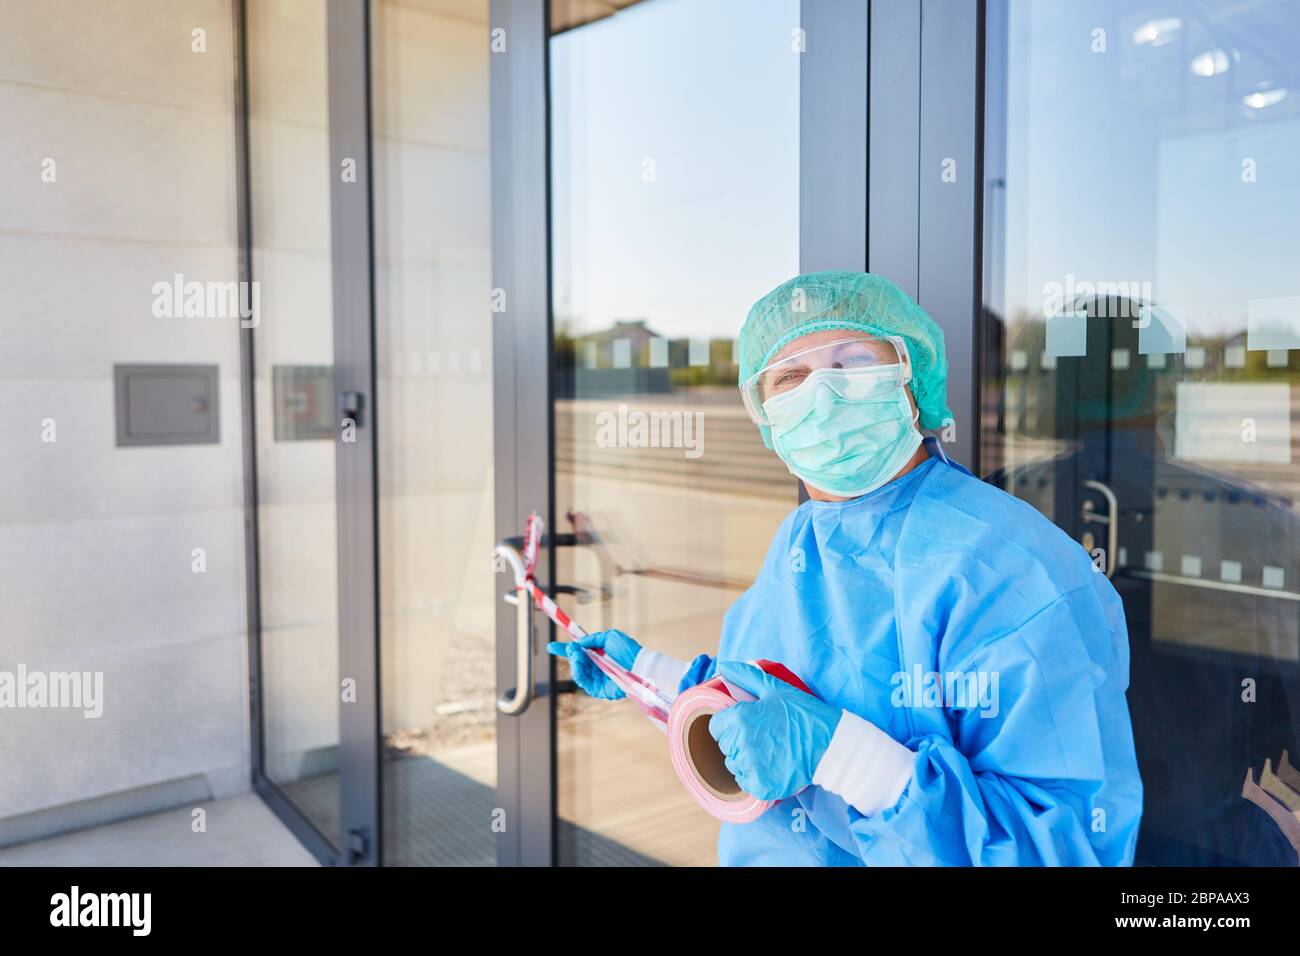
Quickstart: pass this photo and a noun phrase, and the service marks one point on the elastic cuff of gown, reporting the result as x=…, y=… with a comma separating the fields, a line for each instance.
x=660, y=671
x=864, y=765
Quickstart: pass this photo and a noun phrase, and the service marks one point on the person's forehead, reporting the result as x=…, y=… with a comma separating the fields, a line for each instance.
x=814, y=339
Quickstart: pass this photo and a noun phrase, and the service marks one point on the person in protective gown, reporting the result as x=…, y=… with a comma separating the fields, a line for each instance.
x=969, y=662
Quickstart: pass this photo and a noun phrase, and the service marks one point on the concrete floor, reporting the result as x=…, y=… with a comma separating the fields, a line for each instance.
x=240, y=831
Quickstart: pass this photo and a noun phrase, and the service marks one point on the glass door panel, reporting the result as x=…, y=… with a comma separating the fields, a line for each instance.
x=675, y=185
x=432, y=214
x=1142, y=320
x=293, y=348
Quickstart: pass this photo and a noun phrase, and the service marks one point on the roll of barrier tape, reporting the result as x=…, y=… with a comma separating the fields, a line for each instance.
x=696, y=756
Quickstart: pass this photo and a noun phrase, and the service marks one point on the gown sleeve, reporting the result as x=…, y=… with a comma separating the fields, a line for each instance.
x=1017, y=782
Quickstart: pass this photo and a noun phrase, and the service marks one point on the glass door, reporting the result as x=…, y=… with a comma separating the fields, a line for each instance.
x=1140, y=330
x=433, y=335
x=674, y=180
x=372, y=389
x=292, y=347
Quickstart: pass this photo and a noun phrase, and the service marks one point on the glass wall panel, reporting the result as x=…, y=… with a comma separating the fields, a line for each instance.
x=434, y=354
x=1143, y=321
x=293, y=349
x=675, y=184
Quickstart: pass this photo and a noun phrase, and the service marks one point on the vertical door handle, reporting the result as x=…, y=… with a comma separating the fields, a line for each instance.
x=515, y=701
x=1111, y=521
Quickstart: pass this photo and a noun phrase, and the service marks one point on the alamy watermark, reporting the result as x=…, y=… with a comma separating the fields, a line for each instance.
x=179, y=299
x=133, y=911
x=53, y=690
x=633, y=428
x=1124, y=298
x=961, y=690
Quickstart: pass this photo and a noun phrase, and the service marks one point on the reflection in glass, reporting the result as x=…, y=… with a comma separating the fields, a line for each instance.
x=432, y=208
x=294, y=353
x=1142, y=311
x=675, y=206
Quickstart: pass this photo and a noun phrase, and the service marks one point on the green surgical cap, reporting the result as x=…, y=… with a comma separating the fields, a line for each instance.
x=857, y=301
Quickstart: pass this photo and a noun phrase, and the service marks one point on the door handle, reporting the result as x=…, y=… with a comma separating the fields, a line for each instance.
x=515, y=701
x=1111, y=521
x=351, y=405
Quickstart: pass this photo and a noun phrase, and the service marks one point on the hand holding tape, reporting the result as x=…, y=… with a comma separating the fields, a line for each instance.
x=695, y=755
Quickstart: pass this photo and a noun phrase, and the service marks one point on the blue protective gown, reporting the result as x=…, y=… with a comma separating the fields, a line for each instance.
x=942, y=570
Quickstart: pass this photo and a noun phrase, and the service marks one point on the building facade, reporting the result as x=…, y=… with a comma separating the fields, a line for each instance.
x=312, y=302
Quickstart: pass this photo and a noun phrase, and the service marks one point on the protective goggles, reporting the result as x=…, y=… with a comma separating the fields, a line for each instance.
x=885, y=354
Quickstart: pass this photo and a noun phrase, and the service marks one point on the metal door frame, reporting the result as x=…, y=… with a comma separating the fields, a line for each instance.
x=522, y=407
x=356, y=462
x=925, y=180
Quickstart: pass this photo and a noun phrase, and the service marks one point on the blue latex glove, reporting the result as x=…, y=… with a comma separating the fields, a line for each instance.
x=772, y=745
x=621, y=648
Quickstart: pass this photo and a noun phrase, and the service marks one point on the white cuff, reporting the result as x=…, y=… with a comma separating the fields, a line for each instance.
x=864, y=765
x=660, y=671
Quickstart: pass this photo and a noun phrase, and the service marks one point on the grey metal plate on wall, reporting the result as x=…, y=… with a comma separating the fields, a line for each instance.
x=166, y=405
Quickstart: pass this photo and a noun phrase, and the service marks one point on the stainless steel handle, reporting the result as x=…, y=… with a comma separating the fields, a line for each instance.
x=514, y=702
x=1111, y=521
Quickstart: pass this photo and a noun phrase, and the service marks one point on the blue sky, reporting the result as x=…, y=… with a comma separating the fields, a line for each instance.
x=710, y=92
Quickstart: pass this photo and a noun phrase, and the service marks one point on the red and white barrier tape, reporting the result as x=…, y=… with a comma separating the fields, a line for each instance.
x=644, y=695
